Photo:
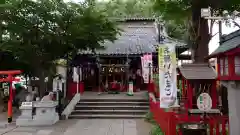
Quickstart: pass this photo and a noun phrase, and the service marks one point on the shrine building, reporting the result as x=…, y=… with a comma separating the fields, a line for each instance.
x=122, y=58
x=228, y=67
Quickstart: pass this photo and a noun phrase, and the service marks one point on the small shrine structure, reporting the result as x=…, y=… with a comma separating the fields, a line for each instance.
x=228, y=65
x=194, y=79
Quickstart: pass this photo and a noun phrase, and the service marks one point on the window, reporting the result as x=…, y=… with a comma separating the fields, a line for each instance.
x=226, y=66
x=237, y=65
x=221, y=66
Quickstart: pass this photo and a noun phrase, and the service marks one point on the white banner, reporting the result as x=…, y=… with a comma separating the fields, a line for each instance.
x=167, y=75
x=146, y=60
x=75, y=74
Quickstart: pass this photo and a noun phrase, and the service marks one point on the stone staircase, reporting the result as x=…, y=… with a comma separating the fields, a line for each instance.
x=110, y=109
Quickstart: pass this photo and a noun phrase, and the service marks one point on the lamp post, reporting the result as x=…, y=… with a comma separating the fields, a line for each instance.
x=206, y=14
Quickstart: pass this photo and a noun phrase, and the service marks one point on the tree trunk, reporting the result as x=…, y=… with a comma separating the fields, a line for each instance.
x=42, y=84
x=201, y=33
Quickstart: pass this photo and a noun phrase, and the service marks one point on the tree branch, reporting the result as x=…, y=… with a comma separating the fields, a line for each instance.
x=236, y=24
x=211, y=26
x=213, y=35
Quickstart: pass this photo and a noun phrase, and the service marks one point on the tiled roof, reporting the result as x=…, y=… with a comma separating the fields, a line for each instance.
x=136, y=19
x=136, y=38
x=197, y=71
x=133, y=40
x=228, y=42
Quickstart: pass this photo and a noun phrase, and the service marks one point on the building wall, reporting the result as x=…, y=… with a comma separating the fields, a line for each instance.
x=234, y=107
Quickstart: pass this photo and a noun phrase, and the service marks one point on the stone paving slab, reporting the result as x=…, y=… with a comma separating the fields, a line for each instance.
x=85, y=127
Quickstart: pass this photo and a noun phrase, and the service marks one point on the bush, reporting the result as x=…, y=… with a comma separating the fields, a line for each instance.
x=156, y=130
x=149, y=117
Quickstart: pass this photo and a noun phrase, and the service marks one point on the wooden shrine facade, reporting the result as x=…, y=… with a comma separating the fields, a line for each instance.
x=122, y=58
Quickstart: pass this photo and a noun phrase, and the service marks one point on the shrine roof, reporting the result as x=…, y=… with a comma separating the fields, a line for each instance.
x=228, y=42
x=138, y=36
x=198, y=72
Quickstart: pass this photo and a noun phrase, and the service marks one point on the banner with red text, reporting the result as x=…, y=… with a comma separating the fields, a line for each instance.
x=146, y=61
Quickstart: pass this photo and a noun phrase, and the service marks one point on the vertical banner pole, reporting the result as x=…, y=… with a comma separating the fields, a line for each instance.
x=10, y=99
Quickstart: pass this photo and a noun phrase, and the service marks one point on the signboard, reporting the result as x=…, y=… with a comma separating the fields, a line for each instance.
x=6, y=88
x=146, y=61
x=167, y=75
x=27, y=104
x=204, y=102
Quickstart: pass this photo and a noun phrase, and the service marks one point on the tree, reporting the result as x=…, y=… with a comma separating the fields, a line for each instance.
x=140, y=9
x=189, y=12
x=127, y=9
x=39, y=32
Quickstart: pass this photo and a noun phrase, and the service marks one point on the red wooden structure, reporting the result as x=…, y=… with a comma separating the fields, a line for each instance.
x=10, y=78
x=228, y=57
x=196, y=79
x=169, y=121
x=193, y=80
x=228, y=65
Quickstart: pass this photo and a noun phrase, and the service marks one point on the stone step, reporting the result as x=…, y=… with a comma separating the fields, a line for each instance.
x=110, y=107
x=111, y=112
x=105, y=116
x=113, y=103
x=112, y=100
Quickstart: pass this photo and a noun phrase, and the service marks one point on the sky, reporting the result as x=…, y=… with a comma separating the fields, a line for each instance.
x=214, y=43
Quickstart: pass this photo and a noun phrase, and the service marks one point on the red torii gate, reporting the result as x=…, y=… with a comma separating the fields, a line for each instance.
x=10, y=79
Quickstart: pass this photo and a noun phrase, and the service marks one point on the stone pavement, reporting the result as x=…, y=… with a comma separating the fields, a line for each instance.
x=84, y=127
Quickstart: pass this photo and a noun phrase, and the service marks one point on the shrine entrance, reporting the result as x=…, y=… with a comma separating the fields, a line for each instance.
x=90, y=76
x=114, y=72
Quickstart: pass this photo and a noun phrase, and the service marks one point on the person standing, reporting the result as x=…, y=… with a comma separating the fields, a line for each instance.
x=139, y=80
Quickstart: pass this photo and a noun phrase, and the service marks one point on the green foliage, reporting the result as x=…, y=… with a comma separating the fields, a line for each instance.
x=149, y=117
x=187, y=13
x=39, y=32
x=139, y=9
x=181, y=10
x=126, y=9
x=156, y=130
x=156, y=81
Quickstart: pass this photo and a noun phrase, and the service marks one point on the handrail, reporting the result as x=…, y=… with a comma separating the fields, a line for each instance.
x=70, y=107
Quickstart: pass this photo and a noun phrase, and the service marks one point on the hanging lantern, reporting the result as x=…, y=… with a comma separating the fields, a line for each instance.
x=92, y=72
x=110, y=69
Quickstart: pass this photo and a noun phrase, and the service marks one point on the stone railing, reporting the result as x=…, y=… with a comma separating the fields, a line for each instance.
x=45, y=113
x=70, y=107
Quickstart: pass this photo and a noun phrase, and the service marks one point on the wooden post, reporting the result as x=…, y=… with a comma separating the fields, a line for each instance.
x=190, y=91
x=183, y=87
x=184, y=93
x=189, y=95
x=231, y=66
x=214, y=95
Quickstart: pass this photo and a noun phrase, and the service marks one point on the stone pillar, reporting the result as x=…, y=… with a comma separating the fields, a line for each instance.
x=234, y=107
